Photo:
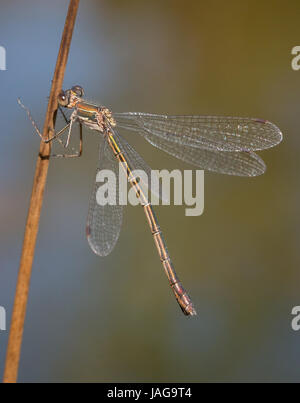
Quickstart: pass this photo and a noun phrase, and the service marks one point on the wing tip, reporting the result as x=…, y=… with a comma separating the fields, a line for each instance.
x=103, y=252
x=259, y=168
x=277, y=134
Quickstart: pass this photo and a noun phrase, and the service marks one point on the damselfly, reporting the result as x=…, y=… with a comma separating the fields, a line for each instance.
x=220, y=144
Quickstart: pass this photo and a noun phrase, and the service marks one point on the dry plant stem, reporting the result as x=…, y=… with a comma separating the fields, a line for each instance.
x=31, y=229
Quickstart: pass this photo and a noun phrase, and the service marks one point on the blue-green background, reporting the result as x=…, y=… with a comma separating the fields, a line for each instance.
x=114, y=318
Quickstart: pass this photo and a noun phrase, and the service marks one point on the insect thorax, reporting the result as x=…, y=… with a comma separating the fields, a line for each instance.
x=95, y=117
x=108, y=116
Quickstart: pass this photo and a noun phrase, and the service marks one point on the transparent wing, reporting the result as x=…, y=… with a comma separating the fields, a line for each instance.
x=231, y=163
x=104, y=222
x=137, y=162
x=206, y=132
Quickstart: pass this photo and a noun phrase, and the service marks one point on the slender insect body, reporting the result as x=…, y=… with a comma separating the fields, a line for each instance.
x=221, y=144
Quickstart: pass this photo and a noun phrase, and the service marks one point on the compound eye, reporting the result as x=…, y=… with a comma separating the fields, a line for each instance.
x=63, y=99
x=78, y=90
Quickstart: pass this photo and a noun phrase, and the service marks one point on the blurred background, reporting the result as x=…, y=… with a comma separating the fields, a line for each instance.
x=98, y=319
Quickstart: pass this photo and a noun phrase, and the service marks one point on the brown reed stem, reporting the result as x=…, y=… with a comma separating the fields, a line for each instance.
x=32, y=224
